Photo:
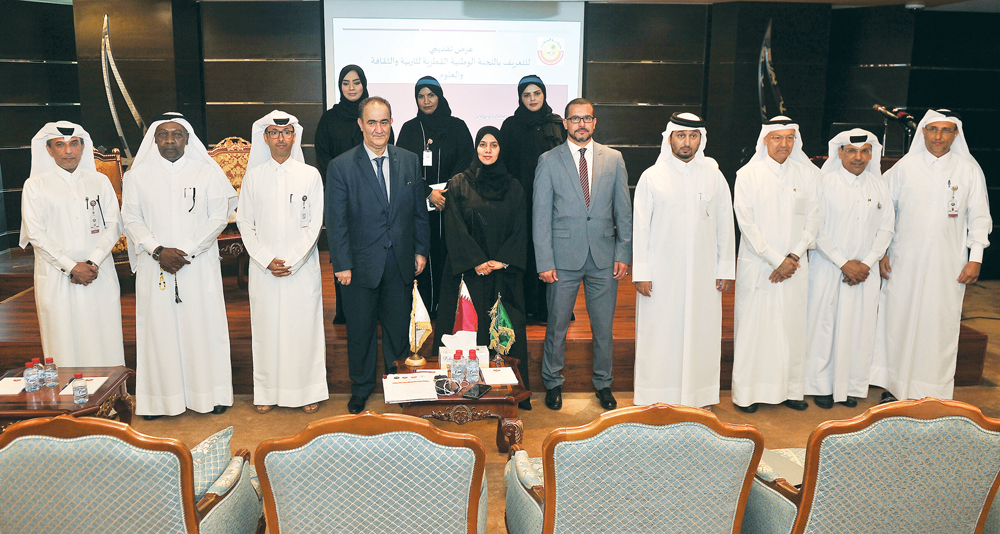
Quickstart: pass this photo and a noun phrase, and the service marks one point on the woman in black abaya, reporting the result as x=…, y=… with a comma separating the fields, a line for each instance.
x=533, y=130
x=338, y=132
x=486, y=230
x=449, y=142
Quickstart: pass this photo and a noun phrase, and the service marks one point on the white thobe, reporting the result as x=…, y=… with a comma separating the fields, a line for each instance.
x=920, y=308
x=280, y=215
x=856, y=224
x=777, y=208
x=182, y=349
x=684, y=240
x=70, y=218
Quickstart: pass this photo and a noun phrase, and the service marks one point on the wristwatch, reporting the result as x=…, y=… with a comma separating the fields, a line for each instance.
x=156, y=253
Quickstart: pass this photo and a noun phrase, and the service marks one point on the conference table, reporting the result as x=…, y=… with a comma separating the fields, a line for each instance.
x=46, y=402
x=499, y=403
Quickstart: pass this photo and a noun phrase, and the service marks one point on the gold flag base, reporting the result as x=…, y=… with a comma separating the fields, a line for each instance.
x=416, y=360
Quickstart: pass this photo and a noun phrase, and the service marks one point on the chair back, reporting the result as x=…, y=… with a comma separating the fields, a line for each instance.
x=372, y=473
x=927, y=466
x=92, y=475
x=657, y=468
x=233, y=155
x=110, y=165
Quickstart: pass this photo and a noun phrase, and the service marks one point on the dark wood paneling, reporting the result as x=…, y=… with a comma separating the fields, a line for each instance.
x=989, y=160
x=21, y=123
x=862, y=87
x=140, y=29
x=237, y=120
x=635, y=125
x=956, y=40
x=800, y=33
x=262, y=29
x=12, y=207
x=35, y=30
x=264, y=81
x=15, y=164
x=636, y=32
x=953, y=88
x=871, y=36
x=22, y=83
x=653, y=83
x=637, y=160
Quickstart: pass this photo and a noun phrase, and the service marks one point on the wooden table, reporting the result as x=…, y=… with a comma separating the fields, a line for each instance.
x=46, y=402
x=500, y=404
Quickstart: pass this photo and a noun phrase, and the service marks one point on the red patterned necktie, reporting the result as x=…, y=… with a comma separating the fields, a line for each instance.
x=584, y=178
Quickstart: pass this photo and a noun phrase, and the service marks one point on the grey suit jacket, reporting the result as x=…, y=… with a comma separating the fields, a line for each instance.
x=564, y=230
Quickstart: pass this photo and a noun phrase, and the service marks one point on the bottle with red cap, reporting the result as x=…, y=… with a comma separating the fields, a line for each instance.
x=80, y=393
x=458, y=367
x=39, y=371
x=472, y=368
x=51, y=373
x=30, y=377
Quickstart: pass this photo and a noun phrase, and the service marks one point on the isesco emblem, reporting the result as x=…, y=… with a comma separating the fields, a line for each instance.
x=550, y=50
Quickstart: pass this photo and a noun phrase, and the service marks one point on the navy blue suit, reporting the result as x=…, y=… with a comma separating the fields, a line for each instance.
x=377, y=240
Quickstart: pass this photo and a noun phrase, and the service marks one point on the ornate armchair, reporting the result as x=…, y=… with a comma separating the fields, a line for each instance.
x=233, y=155
x=657, y=468
x=927, y=466
x=111, y=166
x=373, y=473
x=66, y=474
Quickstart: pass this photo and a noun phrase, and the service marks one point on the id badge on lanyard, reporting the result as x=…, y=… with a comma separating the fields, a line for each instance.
x=304, y=217
x=93, y=209
x=952, y=204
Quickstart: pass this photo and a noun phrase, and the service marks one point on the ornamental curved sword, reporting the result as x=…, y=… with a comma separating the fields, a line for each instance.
x=108, y=58
x=764, y=67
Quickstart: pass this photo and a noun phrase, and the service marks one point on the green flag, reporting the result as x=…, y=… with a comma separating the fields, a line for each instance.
x=501, y=329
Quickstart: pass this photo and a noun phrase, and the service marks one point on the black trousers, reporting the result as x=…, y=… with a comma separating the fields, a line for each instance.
x=388, y=304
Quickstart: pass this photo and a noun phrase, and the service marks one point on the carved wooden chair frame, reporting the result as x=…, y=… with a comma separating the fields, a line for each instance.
x=924, y=409
x=68, y=427
x=656, y=415
x=370, y=424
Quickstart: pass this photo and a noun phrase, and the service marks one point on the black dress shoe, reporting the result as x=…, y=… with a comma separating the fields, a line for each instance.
x=796, y=404
x=524, y=405
x=608, y=401
x=823, y=401
x=356, y=404
x=151, y=417
x=887, y=397
x=748, y=409
x=851, y=402
x=219, y=410
x=553, y=398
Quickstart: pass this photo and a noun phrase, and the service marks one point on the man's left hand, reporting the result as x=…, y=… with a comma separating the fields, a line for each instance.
x=970, y=273
x=722, y=284
x=621, y=269
x=420, y=263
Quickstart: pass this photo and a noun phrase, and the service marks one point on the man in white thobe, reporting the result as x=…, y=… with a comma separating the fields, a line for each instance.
x=69, y=215
x=684, y=257
x=856, y=225
x=776, y=201
x=175, y=203
x=280, y=215
x=942, y=226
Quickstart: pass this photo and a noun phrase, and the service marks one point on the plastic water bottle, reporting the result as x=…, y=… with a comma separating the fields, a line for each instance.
x=30, y=377
x=51, y=373
x=80, y=393
x=39, y=370
x=472, y=368
x=458, y=367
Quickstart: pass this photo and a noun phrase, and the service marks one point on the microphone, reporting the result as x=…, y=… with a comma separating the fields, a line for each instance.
x=897, y=115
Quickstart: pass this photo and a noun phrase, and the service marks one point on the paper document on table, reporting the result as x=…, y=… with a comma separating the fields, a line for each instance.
x=499, y=376
x=412, y=387
x=12, y=385
x=94, y=383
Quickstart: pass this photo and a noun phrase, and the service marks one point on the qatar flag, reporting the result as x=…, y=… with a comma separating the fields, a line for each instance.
x=466, y=318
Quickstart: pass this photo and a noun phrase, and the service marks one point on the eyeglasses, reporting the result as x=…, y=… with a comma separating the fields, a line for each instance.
x=934, y=129
x=576, y=120
x=274, y=134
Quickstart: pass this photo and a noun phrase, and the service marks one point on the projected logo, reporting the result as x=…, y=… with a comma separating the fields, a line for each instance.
x=551, y=50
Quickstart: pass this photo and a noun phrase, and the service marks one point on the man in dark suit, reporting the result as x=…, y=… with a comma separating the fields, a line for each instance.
x=583, y=235
x=376, y=222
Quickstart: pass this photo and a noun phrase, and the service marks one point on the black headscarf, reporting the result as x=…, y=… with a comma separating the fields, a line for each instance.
x=525, y=116
x=490, y=181
x=436, y=123
x=346, y=109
